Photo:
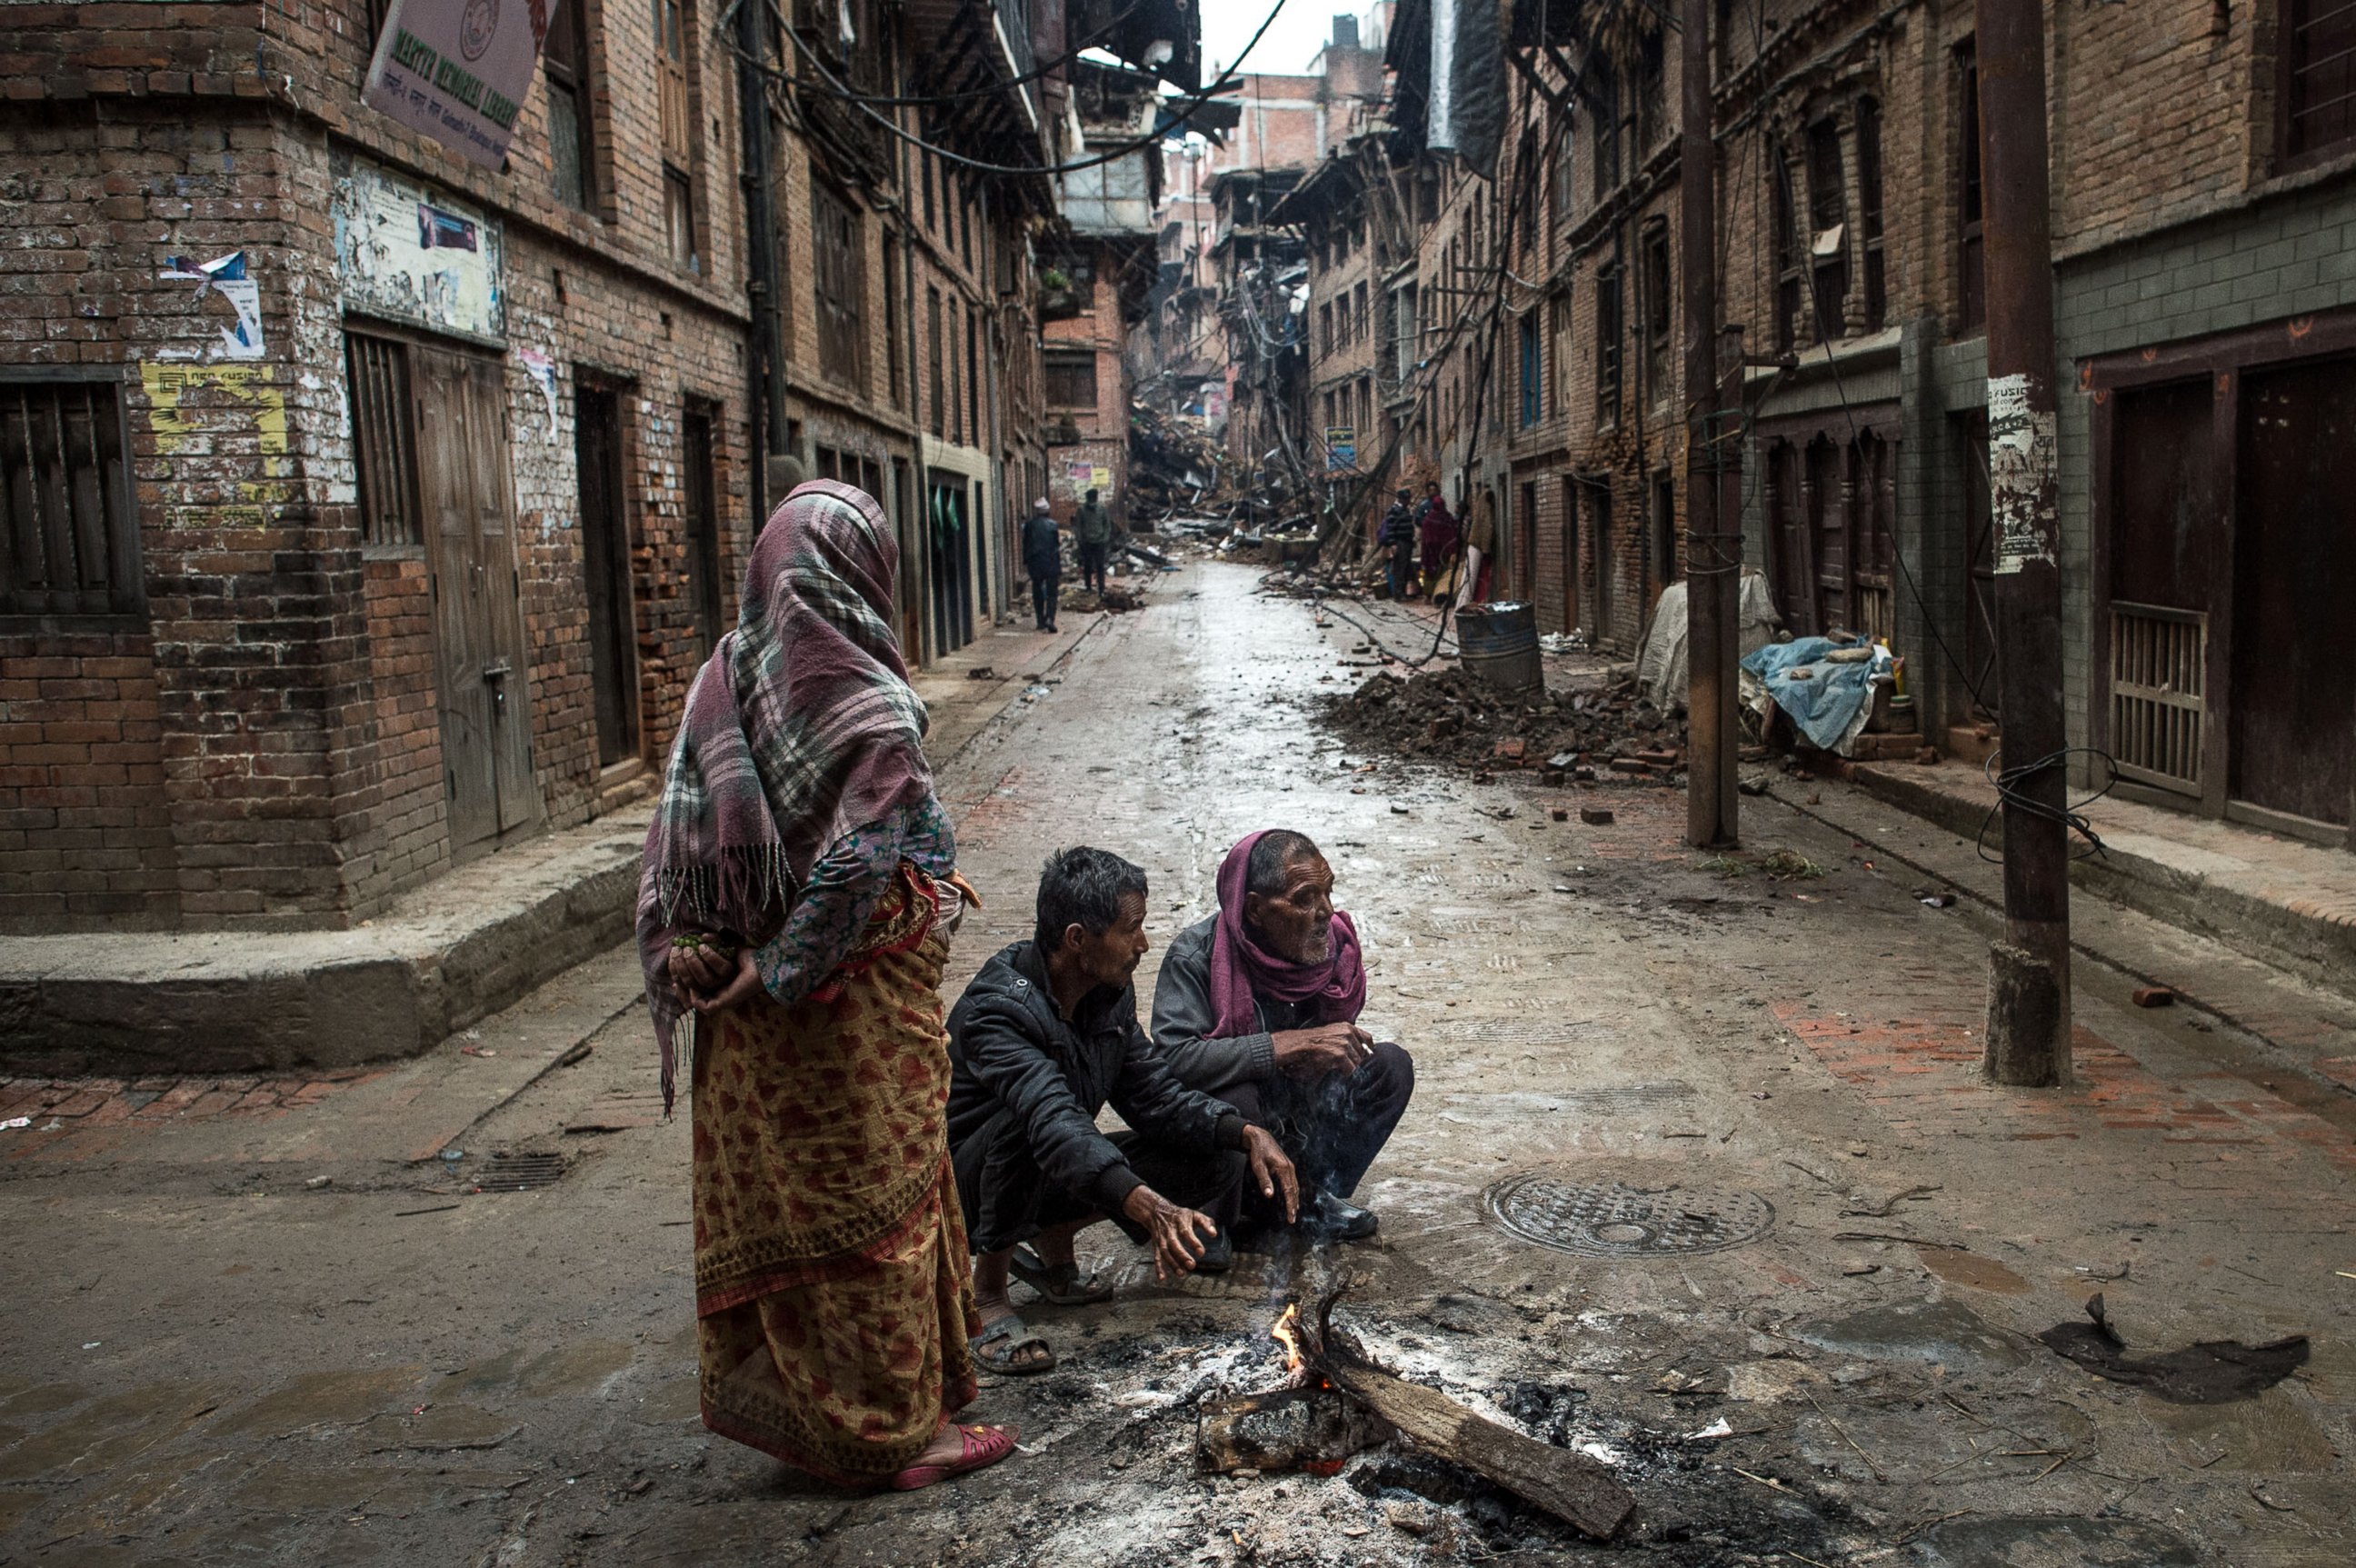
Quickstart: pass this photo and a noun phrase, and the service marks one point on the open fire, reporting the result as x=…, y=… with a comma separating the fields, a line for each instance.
x=1339, y=1401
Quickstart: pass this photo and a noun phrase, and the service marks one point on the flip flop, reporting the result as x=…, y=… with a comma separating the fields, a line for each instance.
x=1011, y=1337
x=1059, y=1283
x=984, y=1446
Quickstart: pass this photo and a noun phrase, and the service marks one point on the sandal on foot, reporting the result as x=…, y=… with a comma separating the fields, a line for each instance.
x=984, y=1445
x=1061, y=1284
x=1005, y=1338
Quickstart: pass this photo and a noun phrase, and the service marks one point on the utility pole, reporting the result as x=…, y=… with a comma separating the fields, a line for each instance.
x=1713, y=550
x=2029, y=972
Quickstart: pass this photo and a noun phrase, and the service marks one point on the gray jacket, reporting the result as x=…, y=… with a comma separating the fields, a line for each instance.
x=1183, y=1016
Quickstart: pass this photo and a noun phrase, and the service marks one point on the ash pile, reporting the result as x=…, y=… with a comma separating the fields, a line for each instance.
x=1453, y=718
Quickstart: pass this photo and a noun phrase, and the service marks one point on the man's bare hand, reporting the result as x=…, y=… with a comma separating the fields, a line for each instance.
x=1178, y=1234
x=1326, y=1049
x=742, y=982
x=1272, y=1169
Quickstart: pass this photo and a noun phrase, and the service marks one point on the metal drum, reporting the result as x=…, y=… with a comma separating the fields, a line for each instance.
x=1499, y=643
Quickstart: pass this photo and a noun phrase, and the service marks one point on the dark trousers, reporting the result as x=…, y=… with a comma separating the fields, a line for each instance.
x=1043, y=591
x=1007, y=1198
x=1092, y=565
x=1400, y=570
x=1334, y=1127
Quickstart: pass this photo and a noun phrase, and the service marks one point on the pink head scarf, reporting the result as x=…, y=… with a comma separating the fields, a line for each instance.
x=1242, y=971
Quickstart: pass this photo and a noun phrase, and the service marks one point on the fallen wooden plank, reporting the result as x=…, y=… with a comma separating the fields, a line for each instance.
x=1571, y=1485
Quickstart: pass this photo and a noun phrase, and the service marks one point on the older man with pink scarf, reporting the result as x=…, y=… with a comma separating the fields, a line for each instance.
x=1259, y=1005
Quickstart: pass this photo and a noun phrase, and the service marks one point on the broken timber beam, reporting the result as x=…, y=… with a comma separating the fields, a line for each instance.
x=1576, y=1488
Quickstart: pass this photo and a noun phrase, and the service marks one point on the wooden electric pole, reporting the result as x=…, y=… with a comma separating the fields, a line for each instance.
x=1713, y=528
x=2029, y=972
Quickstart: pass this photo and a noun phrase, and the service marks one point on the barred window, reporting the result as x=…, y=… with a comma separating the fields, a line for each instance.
x=72, y=540
x=2318, y=78
x=384, y=439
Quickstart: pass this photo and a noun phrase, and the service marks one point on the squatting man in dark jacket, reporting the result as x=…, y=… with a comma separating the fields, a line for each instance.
x=1045, y=1037
x=1259, y=1004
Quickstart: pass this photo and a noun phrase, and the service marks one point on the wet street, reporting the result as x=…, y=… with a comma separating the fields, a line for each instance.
x=1699, y=1177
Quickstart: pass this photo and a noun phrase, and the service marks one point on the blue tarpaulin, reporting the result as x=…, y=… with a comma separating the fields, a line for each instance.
x=1828, y=700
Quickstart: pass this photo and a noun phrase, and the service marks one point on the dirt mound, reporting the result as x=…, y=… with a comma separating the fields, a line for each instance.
x=1450, y=716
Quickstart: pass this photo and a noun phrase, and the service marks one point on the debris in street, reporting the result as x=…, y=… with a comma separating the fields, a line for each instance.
x=2210, y=1371
x=16, y=1122
x=1452, y=716
x=316, y=1182
x=1934, y=897
x=1721, y=1427
x=1790, y=865
x=981, y=672
x=2154, y=996
x=1596, y=816
x=437, y=1208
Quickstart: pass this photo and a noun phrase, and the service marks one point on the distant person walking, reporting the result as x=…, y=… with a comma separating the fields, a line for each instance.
x=1439, y=536
x=798, y=894
x=1092, y=527
x=1043, y=561
x=1480, y=552
x=1396, y=539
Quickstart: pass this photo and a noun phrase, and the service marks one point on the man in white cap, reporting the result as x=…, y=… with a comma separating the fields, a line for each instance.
x=1043, y=559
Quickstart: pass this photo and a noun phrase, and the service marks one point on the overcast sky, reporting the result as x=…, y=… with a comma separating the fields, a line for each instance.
x=1290, y=44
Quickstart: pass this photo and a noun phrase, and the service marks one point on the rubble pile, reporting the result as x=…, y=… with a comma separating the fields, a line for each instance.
x=1174, y=465
x=1452, y=716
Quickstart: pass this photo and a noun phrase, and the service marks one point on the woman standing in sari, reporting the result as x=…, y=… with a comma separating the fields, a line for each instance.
x=798, y=893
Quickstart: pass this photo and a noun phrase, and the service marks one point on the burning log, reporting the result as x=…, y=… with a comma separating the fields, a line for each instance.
x=1314, y=1429
x=1574, y=1487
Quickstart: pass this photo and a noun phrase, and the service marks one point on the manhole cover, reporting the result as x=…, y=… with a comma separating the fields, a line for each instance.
x=1610, y=1219
x=517, y=1173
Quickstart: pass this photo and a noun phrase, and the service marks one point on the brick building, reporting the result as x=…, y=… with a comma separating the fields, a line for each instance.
x=371, y=507
x=2204, y=183
x=1104, y=268
x=1331, y=208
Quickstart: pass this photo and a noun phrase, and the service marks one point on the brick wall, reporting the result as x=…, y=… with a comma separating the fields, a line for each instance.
x=283, y=706
x=85, y=822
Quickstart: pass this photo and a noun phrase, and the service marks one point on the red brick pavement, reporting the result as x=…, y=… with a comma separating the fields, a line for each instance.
x=86, y=1102
x=1923, y=1074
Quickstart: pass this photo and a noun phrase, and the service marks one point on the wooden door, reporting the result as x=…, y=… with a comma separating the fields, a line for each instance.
x=462, y=481
x=1831, y=490
x=1599, y=520
x=1787, y=537
x=706, y=570
x=1876, y=536
x=2293, y=674
x=605, y=573
x=1571, y=621
x=1969, y=432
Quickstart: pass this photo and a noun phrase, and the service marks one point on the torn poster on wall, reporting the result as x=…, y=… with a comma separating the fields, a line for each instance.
x=543, y=370
x=226, y=276
x=411, y=253
x=2023, y=488
x=457, y=70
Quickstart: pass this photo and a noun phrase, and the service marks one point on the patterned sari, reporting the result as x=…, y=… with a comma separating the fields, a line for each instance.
x=833, y=1290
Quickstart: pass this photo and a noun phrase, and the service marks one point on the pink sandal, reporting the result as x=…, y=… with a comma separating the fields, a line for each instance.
x=984, y=1446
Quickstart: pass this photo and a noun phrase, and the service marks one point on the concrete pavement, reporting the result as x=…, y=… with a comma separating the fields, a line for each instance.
x=1842, y=1250
x=297, y=1007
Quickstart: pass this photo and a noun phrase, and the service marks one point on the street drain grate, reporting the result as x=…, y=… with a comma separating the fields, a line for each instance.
x=1610, y=1219
x=517, y=1173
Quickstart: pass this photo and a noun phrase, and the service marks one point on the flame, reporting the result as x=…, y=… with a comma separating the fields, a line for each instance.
x=1287, y=1333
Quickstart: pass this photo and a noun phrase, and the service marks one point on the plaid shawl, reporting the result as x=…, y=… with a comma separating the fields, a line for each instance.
x=799, y=728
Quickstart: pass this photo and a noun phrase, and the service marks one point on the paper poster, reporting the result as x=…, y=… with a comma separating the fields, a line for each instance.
x=1340, y=446
x=543, y=370
x=226, y=276
x=457, y=70
x=410, y=252
x=2022, y=465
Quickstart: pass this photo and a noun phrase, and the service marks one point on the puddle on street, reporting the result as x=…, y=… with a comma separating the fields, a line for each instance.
x=2213, y=1371
x=310, y=1399
x=1943, y=1332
